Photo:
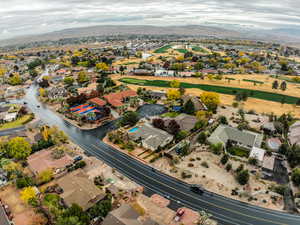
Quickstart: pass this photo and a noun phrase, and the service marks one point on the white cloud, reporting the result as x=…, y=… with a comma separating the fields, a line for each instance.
x=22, y=17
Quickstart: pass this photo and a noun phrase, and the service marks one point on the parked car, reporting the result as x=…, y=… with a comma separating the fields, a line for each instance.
x=77, y=158
x=179, y=214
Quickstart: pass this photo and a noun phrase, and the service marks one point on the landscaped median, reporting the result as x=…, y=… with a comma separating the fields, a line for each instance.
x=269, y=96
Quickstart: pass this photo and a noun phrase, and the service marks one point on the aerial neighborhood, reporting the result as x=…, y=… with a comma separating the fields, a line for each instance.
x=220, y=116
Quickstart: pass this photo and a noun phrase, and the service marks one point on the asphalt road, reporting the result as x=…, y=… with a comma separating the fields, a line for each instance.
x=224, y=210
x=11, y=131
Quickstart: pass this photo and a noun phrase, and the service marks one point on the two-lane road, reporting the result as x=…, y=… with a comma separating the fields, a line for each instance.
x=224, y=210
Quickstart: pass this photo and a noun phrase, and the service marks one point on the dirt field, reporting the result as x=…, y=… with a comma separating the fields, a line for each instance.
x=22, y=213
x=218, y=180
x=260, y=106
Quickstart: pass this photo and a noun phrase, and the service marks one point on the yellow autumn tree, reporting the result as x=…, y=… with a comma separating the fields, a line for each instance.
x=211, y=100
x=2, y=71
x=42, y=92
x=45, y=176
x=102, y=66
x=173, y=94
x=45, y=133
x=27, y=194
x=175, y=84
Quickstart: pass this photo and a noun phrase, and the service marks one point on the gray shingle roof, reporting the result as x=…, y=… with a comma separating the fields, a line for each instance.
x=224, y=133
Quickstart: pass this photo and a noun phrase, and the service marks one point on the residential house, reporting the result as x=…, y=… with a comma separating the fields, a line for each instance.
x=274, y=143
x=79, y=189
x=43, y=160
x=269, y=128
x=294, y=133
x=57, y=92
x=121, y=99
x=258, y=154
x=10, y=117
x=186, y=122
x=198, y=104
x=157, y=95
x=143, y=72
x=246, y=139
x=268, y=165
x=164, y=73
x=150, y=137
x=124, y=215
x=97, y=102
x=3, y=112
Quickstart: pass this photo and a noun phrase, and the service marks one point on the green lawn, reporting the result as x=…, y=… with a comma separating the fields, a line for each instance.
x=269, y=96
x=237, y=151
x=163, y=49
x=181, y=50
x=170, y=114
x=17, y=123
x=199, y=49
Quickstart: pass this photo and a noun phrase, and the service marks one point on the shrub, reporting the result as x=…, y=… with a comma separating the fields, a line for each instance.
x=205, y=164
x=24, y=182
x=80, y=164
x=240, y=168
x=243, y=177
x=190, y=165
x=216, y=148
x=235, y=104
x=202, y=138
x=253, y=161
x=228, y=167
x=224, y=159
x=296, y=176
x=185, y=175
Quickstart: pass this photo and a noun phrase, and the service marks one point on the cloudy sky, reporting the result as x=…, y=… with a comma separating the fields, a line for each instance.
x=22, y=17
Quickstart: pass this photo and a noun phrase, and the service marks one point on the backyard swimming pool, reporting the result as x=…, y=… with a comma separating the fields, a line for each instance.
x=133, y=130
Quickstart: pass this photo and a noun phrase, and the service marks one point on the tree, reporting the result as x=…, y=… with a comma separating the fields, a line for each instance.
x=23, y=182
x=174, y=84
x=82, y=77
x=72, y=220
x=296, y=176
x=189, y=107
x=211, y=100
x=3, y=71
x=275, y=85
x=173, y=127
x=28, y=194
x=298, y=102
x=202, y=138
x=283, y=86
x=173, y=94
x=223, y=120
x=33, y=73
x=216, y=148
x=129, y=118
x=204, y=218
x=15, y=79
x=243, y=177
x=102, y=66
x=57, y=136
x=45, y=176
x=68, y=81
x=158, y=123
x=42, y=92
x=181, y=135
x=18, y=148
x=224, y=159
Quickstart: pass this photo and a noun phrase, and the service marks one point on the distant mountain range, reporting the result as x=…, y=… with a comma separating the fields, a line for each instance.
x=287, y=36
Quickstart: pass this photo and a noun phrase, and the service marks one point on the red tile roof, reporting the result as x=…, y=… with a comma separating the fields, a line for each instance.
x=115, y=99
x=98, y=101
